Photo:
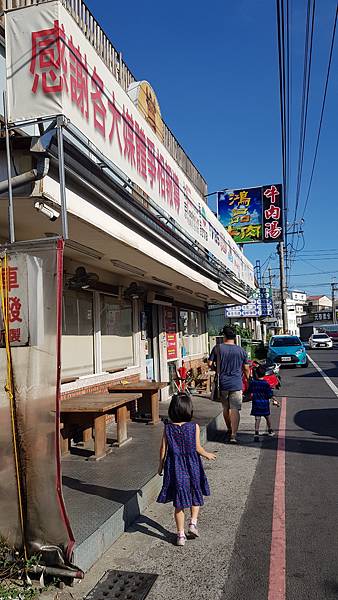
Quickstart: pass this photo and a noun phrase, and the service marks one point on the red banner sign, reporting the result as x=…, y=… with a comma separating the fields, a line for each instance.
x=171, y=333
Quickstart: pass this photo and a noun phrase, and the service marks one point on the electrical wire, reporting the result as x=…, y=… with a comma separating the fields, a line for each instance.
x=322, y=111
x=308, y=46
x=296, y=250
x=305, y=96
x=311, y=274
x=282, y=95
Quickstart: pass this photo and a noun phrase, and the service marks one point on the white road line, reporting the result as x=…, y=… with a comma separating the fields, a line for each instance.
x=326, y=377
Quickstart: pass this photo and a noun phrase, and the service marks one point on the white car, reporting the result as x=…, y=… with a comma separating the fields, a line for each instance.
x=320, y=340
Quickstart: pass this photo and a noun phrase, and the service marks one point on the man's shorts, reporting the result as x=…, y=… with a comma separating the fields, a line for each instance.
x=232, y=399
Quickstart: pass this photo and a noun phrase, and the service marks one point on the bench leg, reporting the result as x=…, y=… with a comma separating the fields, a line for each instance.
x=87, y=435
x=122, y=427
x=64, y=442
x=100, y=440
x=155, y=410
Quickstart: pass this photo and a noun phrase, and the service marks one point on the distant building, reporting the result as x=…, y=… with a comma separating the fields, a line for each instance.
x=293, y=313
x=300, y=299
x=316, y=304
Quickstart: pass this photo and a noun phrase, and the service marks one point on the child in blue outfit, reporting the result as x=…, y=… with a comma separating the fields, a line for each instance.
x=184, y=482
x=261, y=393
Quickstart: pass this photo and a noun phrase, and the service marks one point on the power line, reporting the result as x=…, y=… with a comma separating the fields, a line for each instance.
x=283, y=116
x=289, y=89
x=305, y=97
x=308, y=45
x=315, y=250
x=312, y=274
x=322, y=110
x=322, y=258
x=312, y=285
x=282, y=95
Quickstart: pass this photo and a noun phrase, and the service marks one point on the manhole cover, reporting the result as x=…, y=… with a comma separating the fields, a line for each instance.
x=122, y=585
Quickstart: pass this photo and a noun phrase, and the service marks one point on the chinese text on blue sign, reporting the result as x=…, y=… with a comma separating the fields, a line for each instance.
x=252, y=214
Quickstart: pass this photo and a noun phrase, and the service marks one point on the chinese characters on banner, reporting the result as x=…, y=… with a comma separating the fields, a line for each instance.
x=171, y=333
x=15, y=277
x=259, y=305
x=272, y=213
x=253, y=214
x=64, y=75
x=59, y=66
x=323, y=316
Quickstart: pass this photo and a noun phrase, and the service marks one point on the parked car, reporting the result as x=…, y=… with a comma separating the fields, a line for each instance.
x=287, y=350
x=320, y=340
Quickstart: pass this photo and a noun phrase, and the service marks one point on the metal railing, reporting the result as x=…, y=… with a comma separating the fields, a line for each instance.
x=115, y=63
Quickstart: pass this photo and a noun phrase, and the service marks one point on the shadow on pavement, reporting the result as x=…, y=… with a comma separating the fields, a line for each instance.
x=331, y=372
x=146, y=526
x=128, y=498
x=244, y=439
x=312, y=397
x=331, y=586
x=120, y=496
x=325, y=425
x=321, y=421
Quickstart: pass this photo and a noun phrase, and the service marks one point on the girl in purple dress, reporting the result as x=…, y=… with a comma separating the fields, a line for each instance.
x=184, y=482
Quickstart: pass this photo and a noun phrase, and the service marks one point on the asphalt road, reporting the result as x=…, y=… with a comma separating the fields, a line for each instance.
x=311, y=495
x=232, y=558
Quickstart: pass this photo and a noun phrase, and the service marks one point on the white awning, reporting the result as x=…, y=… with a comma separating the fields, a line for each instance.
x=118, y=241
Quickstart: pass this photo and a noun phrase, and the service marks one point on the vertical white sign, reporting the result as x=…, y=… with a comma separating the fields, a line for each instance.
x=15, y=277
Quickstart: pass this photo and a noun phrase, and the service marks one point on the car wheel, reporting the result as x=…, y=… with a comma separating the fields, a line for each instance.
x=306, y=364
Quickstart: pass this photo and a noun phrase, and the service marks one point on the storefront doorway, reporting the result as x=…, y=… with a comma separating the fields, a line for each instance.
x=147, y=328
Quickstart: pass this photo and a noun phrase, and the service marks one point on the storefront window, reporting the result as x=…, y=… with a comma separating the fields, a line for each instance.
x=116, y=333
x=191, y=332
x=77, y=334
x=114, y=345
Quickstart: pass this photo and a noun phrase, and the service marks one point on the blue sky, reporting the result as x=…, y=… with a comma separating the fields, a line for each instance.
x=214, y=69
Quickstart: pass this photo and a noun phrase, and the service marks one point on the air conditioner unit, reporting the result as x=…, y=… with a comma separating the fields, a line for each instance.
x=156, y=298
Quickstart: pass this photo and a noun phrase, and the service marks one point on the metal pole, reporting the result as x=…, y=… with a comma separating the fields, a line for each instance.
x=11, y=230
x=270, y=278
x=63, y=198
x=282, y=286
x=334, y=316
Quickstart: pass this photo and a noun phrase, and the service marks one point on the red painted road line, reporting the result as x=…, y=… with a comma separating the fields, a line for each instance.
x=277, y=584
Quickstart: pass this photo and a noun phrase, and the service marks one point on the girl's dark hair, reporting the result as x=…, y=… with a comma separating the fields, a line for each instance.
x=180, y=409
x=260, y=371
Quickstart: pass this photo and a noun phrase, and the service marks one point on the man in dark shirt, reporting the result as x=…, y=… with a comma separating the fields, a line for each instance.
x=233, y=361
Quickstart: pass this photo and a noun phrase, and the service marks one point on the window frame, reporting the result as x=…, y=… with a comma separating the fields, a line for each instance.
x=97, y=335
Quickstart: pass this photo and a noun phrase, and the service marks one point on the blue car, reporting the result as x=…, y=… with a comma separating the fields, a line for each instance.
x=287, y=350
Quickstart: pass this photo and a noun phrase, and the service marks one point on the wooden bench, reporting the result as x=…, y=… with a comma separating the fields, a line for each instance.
x=149, y=405
x=90, y=411
x=203, y=382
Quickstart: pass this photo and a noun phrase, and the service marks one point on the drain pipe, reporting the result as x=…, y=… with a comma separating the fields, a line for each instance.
x=41, y=170
x=39, y=148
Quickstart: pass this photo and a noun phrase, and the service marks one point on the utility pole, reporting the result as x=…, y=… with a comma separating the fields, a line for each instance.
x=270, y=278
x=283, y=286
x=334, y=288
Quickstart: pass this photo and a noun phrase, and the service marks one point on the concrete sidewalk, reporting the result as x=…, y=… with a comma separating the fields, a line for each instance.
x=199, y=570
x=104, y=497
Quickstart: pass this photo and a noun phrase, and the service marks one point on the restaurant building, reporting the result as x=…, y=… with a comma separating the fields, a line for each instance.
x=110, y=257
x=144, y=254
